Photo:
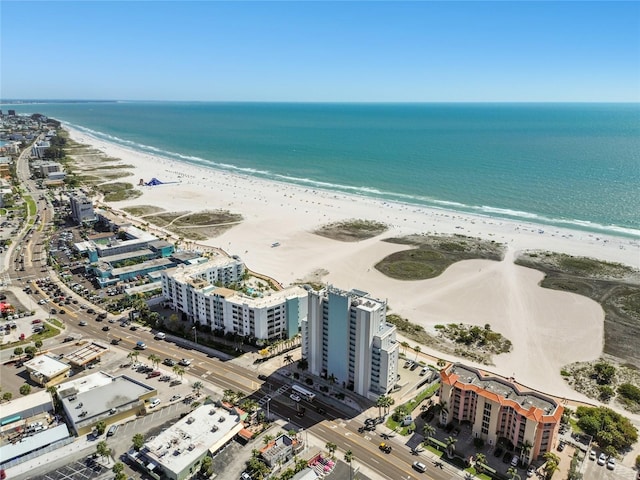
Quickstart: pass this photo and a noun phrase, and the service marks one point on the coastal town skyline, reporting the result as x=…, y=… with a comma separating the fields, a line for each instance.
x=324, y=51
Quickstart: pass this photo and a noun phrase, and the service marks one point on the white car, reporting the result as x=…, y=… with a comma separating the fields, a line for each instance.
x=602, y=459
x=294, y=397
x=154, y=402
x=531, y=471
x=592, y=455
x=611, y=464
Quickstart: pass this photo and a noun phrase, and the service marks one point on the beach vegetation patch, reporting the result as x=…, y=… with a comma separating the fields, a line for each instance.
x=621, y=382
x=142, y=210
x=607, y=427
x=434, y=255
x=165, y=218
x=207, y=218
x=468, y=341
x=118, y=191
x=616, y=287
x=352, y=230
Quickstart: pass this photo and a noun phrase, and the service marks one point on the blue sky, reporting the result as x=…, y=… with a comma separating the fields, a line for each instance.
x=321, y=51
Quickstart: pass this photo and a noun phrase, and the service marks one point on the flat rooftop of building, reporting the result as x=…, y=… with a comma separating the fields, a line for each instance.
x=157, y=244
x=86, y=354
x=185, y=257
x=46, y=365
x=156, y=262
x=205, y=428
x=184, y=272
x=17, y=405
x=33, y=442
x=503, y=388
x=119, y=257
x=119, y=393
x=268, y=298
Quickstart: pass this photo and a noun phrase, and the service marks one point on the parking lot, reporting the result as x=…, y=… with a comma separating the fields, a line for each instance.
x=78, y=470
x=594, y=471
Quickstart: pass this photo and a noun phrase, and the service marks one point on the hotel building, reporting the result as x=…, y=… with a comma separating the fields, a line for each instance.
x=346, y=336
x=497, y=409
x=268, y=316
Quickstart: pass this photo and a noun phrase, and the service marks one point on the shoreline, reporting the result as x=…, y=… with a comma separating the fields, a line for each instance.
x=537, y=321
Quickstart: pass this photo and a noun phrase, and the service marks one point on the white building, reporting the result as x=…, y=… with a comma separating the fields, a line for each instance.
x=271, y=315
x=81, y=209
x=176, y=452
x=346, y=336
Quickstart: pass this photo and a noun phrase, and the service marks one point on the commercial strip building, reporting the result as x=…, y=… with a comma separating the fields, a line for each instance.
x=346, y=337
x=496, y=409
x=176, y=453
x=47, y=370
x=102, y=397
x=268, y=316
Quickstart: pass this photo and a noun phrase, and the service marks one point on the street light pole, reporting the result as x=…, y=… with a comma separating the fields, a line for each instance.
x=195, y=333
x=268, y=414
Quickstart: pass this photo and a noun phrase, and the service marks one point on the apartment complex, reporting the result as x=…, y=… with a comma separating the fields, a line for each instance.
x=346, y=337
x=192, y=290
x=497, y=409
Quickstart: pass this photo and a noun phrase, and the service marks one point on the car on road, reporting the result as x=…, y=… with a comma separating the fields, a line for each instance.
x=33, y=322
x=133, y=328
x=185, y=362
x=175, y=397
x=592, y=455
x=68, y=339
x=61, y=312
x=91, y=311
x=112, y=320
x=385, y=447
x=420, y=467
x=602, y=459
x=83, y=323
x=321, y=410
x=116, y=341
x=140, y=345
x=112, y=430
x=294, y=397
x=105, y=328
x=169, y=362
x=262, y=376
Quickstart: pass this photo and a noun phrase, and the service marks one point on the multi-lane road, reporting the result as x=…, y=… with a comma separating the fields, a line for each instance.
x=335, y=424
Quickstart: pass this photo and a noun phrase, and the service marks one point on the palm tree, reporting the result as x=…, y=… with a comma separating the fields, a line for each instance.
x=428, y=430
x=384, y=401
x=551, y=465
x=525, y=449
x=513, y=471
x=417, y=349
x=481, y=461
x=331, y=448
x=441, y=408
x=441, y=363
x=178, y=370
x=196, y=387
x=450, y=442
x=133, y=355
x=288, y=359
x=102, y=449
x=348, y=457
x=154, y=359
x=267, y=438
x=404, y=346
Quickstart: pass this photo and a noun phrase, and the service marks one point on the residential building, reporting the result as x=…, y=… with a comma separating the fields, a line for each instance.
x=39, y=148
x=498, y=409
x=177, y=451
x=346, y=337
x=82, y=209
x=269, y=316
x=280, y=450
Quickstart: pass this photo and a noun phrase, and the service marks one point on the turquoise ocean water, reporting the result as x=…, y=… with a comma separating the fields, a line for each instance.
x=572, y=165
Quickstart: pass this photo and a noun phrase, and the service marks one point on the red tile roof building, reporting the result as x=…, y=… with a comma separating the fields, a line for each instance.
x=497, y=409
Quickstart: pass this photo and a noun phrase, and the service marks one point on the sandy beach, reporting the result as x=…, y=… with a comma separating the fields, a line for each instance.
x=548, y=328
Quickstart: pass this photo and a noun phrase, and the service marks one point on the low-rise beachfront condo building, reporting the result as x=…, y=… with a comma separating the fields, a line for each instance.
x=194, y=291
x=346, y=337
x=499, y=410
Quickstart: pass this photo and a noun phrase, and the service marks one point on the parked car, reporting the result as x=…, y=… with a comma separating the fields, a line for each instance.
x=105, y=328
x=611, y=463
x=33, y=322
x=602, y=459
x=156, y=373
x=154, y=402
x=112, y=430
x=83, y=323
x=592, y=455
x=531, y=471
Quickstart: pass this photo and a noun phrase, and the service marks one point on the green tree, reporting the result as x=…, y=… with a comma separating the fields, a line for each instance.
x=417, y=349
x=18, y=351
x=450, y=443
x=196, y=387
x=25, y=389
x=154, y=359
x=404, y=346
x=102, y=449
x=428, y=430
x=513, y=472
x=441, y=363
x=267, y=438
x=101, y=426
x=117, y=468
x=133, y=355
x=348, y=457
x=38, y=344
x=206, y=466
x=331, y=448
x=137, y=441
x=7, y=396
x=30, y=351
x=604, y=372
x=178, y=370
x=384, y=401
x=481, y=460
x=606, y=392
